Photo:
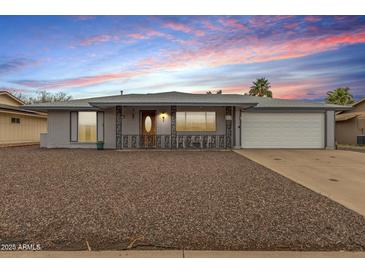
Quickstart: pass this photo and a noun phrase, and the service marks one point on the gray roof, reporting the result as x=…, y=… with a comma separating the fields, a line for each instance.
x=180, y=98
x=20, y=109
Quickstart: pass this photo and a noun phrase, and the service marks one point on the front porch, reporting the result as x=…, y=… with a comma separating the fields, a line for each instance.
x=174, y=127
x=174, y=142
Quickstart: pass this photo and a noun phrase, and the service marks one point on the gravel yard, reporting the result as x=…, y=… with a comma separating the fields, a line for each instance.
x=62, y=199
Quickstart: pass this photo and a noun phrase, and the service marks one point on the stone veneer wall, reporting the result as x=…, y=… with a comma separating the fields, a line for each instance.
x=229, y=128
x=173, y=127
x=119, y=114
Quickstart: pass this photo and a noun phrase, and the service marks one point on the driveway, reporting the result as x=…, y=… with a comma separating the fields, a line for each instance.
x=337, y=174
x=69, y=199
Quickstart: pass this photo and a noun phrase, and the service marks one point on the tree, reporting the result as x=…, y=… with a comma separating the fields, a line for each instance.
x=340, y=96
x=261, y=87
x=20, y=96
x=43, y=97
x=215, y=92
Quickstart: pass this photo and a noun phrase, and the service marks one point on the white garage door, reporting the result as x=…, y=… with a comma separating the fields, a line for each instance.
x=282, y=130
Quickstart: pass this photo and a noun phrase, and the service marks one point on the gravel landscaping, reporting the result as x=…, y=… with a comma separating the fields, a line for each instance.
x=69, y=199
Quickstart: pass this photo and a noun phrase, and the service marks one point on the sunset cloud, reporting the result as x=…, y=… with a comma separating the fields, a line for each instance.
x=77, y=82
x=183, y=28
x=232, y=23
x=102, y=38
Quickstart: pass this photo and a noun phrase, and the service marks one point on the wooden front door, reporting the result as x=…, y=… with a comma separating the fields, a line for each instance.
x=148, y=128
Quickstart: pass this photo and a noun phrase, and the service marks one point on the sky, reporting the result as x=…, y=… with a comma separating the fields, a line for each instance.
x=303, y=57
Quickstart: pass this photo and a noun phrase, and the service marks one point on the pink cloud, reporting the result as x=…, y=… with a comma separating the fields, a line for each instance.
x=199, y=33
x=233, y=23
x=312, y=18
x=183, y=28
x=210, y=26
x=291, y=26
x=80, y=81
x=313, y=28
x=178, y=27
x=264, y=21
x=136, y=35
x=98, y=39
x=150, y=34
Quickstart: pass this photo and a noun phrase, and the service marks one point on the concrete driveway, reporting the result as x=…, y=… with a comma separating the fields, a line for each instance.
x=337, y=174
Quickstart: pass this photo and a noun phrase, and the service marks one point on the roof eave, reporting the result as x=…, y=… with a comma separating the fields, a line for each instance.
x=47, y=108
x=302, y=108
x=112, y=104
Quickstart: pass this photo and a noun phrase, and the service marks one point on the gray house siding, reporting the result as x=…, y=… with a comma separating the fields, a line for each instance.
x=110, y=128
x=132, y=119
x=59, y=133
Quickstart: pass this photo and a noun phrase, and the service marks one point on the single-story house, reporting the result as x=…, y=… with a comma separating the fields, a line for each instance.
x=18, y=125
x=350, y=125
x=175, y=120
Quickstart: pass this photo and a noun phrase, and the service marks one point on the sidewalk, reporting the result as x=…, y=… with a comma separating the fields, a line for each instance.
x=180, y=254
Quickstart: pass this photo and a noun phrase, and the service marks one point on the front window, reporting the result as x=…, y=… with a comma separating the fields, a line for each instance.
x=195, y=121
x=87, y=126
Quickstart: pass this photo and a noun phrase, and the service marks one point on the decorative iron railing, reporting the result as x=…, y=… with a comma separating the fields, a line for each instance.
x=174, y=142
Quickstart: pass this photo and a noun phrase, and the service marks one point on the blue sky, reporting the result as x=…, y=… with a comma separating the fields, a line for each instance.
x=302, y=56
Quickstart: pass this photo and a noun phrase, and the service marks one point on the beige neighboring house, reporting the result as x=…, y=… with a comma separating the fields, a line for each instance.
x=350, y=125
x=19, y=126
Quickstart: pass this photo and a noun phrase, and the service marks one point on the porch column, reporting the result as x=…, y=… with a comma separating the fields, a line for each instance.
x=173, y=127
x=119, y=137
x=237, y=128
x=229, y=128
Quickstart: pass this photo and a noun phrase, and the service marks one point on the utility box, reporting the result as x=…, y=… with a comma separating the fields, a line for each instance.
x=361, y=140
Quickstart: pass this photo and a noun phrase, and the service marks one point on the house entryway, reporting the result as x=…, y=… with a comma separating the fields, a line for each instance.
x=148, y=128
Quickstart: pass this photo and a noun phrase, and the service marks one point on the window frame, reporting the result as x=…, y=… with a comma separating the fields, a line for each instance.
x=190, y=130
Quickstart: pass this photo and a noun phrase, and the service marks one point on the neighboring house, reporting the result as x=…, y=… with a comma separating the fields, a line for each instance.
x=350, y=125
x=183, y=120
x=17, y=125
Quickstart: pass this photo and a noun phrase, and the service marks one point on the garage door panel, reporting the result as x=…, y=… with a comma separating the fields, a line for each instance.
x=282, y=130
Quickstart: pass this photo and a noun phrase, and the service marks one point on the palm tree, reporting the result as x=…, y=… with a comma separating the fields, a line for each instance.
x=340, y=96
x=261, y=87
